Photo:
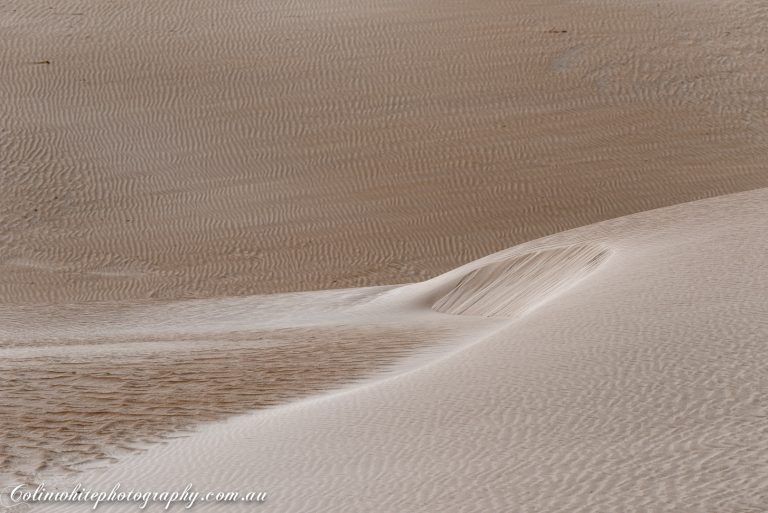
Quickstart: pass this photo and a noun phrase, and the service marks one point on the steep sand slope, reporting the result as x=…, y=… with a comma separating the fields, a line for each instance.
x=639, y=387
x=199, y=148
x=515, y=285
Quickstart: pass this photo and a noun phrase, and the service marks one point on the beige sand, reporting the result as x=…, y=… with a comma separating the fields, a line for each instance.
x=161, y=162
x=637, y=386
x=191, y=148
x=70, y=405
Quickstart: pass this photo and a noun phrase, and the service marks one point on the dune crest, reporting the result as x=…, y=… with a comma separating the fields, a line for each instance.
x=518, y=284
x=639, y=388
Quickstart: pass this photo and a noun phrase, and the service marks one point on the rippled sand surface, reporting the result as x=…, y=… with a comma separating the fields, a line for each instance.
x=191, y=148
x=208, y=210
x=84, y=385
x=69, y=406
x=635, y=385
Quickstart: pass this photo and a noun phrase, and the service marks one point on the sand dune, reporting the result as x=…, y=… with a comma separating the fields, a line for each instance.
x=370, y=256
x=512, y=286
x=638, y=388
x=85, y=384
x=72, y=405
x=190, y=148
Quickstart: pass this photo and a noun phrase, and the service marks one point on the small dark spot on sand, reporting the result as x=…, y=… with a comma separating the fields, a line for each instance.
x=43, y=62
x=556, y=31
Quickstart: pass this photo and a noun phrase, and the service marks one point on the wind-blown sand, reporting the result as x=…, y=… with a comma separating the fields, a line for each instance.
x=191, y=148
x=167, y=165
x=636, y=386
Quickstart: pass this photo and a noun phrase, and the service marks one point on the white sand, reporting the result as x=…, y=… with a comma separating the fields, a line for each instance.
x=638, y=387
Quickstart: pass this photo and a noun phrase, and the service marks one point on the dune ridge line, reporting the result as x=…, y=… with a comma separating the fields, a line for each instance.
x=517, y=284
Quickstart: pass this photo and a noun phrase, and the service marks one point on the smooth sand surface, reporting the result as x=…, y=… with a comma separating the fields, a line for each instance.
x=638, y=386
x=191, y=148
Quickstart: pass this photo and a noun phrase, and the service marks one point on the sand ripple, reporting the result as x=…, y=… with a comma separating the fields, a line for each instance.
x=66, y=405
x=191, y=148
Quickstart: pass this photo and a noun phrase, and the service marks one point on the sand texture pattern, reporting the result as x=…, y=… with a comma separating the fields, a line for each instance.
x=190, y=148
x=68, y=407
x=393, y=256
x=639, y=388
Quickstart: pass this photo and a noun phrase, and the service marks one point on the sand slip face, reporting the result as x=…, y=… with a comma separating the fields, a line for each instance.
x=515, y=285
x=190, y=148
x=640, y=388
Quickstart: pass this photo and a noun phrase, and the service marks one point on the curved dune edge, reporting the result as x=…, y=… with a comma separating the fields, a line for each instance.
x=515, y=285
x=114, y=392
x=639, y=388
